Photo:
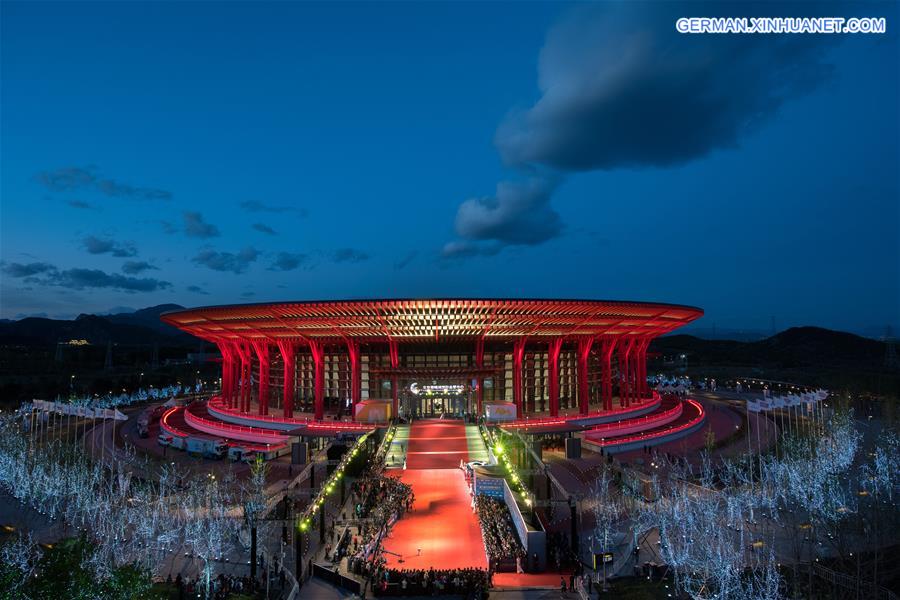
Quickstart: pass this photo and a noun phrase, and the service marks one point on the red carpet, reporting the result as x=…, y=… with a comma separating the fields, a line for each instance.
x=530, y=580
x=436, y=444
x=441, y=523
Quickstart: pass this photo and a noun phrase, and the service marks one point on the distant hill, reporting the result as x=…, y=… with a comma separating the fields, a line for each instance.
x=792, y=348
x=137, y=328
x=148, y=317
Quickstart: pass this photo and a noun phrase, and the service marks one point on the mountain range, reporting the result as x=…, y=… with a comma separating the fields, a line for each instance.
x=134, y=328
x=794, y=347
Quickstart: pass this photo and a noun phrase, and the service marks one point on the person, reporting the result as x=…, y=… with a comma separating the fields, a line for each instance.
x=562, y=587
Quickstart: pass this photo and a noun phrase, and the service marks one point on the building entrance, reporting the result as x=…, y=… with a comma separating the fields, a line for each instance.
x=437, y=400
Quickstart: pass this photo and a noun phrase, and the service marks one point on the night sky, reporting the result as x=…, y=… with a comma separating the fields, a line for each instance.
x=204, y=153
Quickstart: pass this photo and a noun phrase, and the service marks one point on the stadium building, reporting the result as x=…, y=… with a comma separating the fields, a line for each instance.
x=337, y=364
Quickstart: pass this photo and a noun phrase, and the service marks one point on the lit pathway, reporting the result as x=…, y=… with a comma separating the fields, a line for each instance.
x=477, y=449
x=396, y=454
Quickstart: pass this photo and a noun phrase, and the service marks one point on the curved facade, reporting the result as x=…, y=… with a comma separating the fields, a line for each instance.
x=431, y=356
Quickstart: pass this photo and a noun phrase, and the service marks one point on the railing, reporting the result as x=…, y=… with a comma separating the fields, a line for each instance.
x=649, y=436
x=193, y=420
x=171, y=429
x=579, y=588
x=869, y=589
x=550, y=421
x=328, y=486
x=288, y=576
x=664, y=416
x=218, y=405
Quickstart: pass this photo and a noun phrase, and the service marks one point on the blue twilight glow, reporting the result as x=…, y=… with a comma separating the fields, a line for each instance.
x=204, y=153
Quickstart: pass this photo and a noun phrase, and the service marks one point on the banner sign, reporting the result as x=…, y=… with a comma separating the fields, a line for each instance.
x=489, y=486
x=603, y=558
x=500, y=411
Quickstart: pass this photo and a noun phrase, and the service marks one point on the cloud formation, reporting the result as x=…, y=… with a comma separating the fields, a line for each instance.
x=95, y=245
x=25, y=270
x=133, y=267
x=196, y=289
x=195, y=226
x=286, y=261
x=263, y=228
x=621, y=88
x=79, y=279
x=468, y=249
x=350, y=255
x=226, y=261
x=72, y=179
x=519, y=214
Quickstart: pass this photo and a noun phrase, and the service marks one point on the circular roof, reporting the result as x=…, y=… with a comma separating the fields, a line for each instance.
x=430, y=319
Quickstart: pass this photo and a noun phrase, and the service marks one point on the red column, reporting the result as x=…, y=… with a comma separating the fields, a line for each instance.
x=642, y=367
x=261, y=347
x=286, y=347
x=518, y=355
x=553, y=349
x=226, y=371
x=395, y=384
x=244, y=392
x=479, y=364
x=248, y=378
x=355, y=376
x=236, y=374
x=625, y=348
x=608, y=346
x=318, y=356
x=635, y=384
x=584, y=352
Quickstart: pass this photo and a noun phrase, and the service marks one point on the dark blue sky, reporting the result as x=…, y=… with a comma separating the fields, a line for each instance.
x=210, y=153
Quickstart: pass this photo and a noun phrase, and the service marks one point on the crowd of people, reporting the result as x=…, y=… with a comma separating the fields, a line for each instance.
x=471, y=583
x=500, y=538
x=381, y=497
x=379, y=500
